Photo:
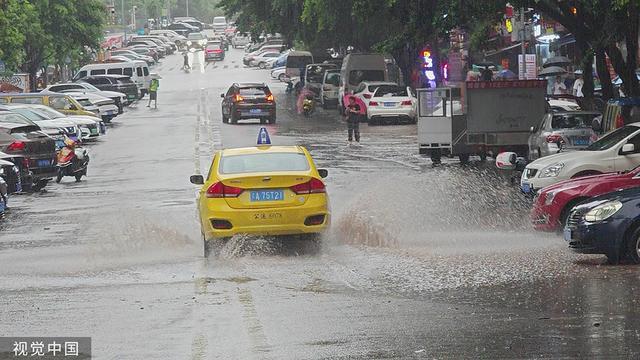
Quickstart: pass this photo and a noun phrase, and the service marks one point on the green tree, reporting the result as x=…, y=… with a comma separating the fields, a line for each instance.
x=15, y=16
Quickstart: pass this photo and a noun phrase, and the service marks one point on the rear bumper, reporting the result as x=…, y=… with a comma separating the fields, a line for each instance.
x=245, y=111
x=269, y=221
x=214, y=56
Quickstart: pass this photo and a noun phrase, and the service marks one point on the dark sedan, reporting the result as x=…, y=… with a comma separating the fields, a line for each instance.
x=119, y=83
x=248, y=101
x=608, y=224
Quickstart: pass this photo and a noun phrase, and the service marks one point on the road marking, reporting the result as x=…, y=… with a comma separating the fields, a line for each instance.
x=252, y=322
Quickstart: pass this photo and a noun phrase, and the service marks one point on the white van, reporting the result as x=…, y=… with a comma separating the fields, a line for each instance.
x=137, y=70
x=357, y=68
x=297, y=60
x=219, y=24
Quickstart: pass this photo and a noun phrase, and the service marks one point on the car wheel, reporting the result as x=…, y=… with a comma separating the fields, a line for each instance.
x=225, y=119
x=211, y=247
x=234, y=119
x=633, y=246
x=79, y=178
x=262, y=65
x=436, y=156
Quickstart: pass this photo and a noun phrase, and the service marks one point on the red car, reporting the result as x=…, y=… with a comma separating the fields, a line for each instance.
x=553, y=203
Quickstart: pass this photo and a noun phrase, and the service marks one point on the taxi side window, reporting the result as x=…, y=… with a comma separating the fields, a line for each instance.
x=60, y=103
x=27, y=100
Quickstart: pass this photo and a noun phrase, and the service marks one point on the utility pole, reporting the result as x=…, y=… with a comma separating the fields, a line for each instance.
x=122, y=17
x=523, y=49
x=187, y=7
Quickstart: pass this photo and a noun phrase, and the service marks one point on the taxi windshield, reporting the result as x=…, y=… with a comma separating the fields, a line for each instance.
x=264, y=162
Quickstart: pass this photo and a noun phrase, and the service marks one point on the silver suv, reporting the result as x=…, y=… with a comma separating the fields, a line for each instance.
x=568, y=130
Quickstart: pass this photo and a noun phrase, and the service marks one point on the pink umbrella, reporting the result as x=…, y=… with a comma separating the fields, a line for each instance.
x=363, y=106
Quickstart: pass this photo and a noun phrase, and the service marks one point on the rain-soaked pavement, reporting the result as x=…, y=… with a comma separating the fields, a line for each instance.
x=422, y=262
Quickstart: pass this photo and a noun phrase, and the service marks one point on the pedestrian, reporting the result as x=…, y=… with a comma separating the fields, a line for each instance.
x=559, y=87
x=577, y=86
x=153, y=92
x=353, y=114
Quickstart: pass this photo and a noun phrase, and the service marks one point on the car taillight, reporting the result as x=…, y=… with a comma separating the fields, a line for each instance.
x=554, y=138
x=373, y=103
x=407, y=103
x=313, y=186
x=270, y=97
x=238, y=98
x=220, y=190
x=16, y=146
x=217, y=51
x=367, y=96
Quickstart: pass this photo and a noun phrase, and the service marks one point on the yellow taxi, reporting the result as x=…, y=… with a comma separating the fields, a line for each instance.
x=262, y=190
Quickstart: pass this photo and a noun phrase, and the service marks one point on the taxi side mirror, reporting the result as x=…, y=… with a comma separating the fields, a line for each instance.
x=197, y=179
x=323, y=173
x=627, y=149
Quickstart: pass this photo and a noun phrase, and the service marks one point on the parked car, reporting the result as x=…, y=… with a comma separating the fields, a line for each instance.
x=118, y=98
x=240, y=40
x=261, y=60
x=562, y=130
x=313, y=76
x=214, y=51
x=118, y=83
x=61, y=102
x=172, y=35
x=608, y=224
x=248, y=101
x=161, y=50
x=195, y=23
x=616, y=151
x=391, y=104
x=107, y=109
x=181, y=28
x=553, y=204
x=358, y=68
x=329, y=90
x=364, y=91
x=144, y=50
x=132, y=55
x=89, y=125
x=137, y=70
x=279, y=73
x=19, y=136
x=56, y=128
x=13, y=171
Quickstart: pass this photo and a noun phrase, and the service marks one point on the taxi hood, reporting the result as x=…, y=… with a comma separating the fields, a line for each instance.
x=563, y=157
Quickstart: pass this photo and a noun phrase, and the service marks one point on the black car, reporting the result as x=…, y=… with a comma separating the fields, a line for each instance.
x=608, y=224
x=20, y=136
x=214, y=51
x=248, y=101
x=182, y=27
x=119, y=83
x=14, y=175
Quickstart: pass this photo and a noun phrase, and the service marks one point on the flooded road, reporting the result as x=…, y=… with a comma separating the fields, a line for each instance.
x=421, y=262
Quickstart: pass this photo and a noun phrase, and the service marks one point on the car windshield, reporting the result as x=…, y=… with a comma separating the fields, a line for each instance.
x=89, y=86
x=195, y=36
x=612, y=139
x=50, y=113
x=390, y=90
x=125, y=81
x=358, y=76
x=266, y=162
x=84, y=102
x=254, y=91
x=333, y=79
x=214, y=46
x=572, y=121
x=14, y=119
x=29, y=114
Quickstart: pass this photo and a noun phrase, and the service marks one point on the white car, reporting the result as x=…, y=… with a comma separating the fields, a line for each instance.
x=365, y=89
x=89, y=125
x=106, y=107
x=279, y=73
x=262, y=59
x=391, y=103
x=330, y=88
x=617, y=151
x=563, y=105
x=119, y=98
x=45, y=122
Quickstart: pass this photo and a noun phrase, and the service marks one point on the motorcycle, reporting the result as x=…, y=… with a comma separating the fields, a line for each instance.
x=308, y=106
x=72, y=161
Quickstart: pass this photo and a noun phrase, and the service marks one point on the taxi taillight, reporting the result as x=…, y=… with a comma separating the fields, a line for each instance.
x=238, y=98
x=313, y=186
x=220, y=190
x=270, y=97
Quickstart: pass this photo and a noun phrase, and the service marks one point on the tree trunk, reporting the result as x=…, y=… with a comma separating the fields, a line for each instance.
x=586, y=64
x=631, y=40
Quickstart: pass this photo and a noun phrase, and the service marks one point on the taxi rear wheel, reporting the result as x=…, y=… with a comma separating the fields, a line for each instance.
x=212, y=247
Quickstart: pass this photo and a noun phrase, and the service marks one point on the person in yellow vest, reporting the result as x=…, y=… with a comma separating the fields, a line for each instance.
x=153, y=92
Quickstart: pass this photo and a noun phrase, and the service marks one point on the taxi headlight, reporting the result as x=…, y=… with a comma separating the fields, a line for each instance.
x=603, y=211
x=552, y=170
x=189, y=42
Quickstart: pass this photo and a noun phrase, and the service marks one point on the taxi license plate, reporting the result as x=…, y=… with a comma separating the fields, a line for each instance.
x=567, y=235
x=389, y=104
x=255, y=111
x=267, y=195
x=42, y=163
x=526, y=188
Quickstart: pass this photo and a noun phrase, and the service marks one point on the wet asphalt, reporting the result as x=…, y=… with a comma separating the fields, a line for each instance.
x=421, y=262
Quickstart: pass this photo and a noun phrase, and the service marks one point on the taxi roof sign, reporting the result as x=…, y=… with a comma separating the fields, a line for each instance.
x=263, y=137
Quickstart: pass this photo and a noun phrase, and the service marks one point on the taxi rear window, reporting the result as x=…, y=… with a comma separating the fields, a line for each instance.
x=265, y=162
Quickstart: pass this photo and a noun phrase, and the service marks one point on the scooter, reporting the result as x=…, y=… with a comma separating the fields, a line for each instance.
x=72, y=161
x=308, y=106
